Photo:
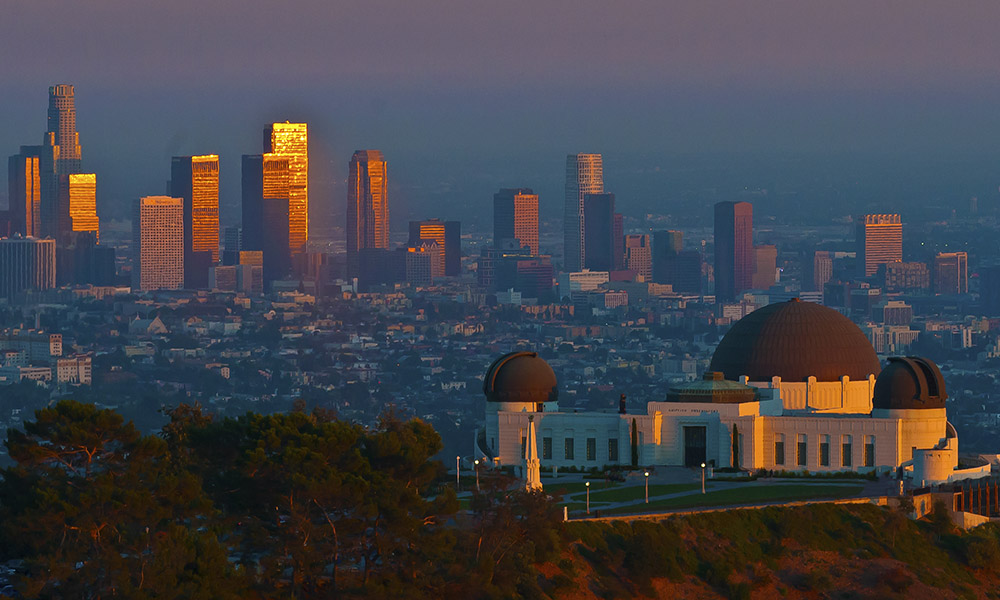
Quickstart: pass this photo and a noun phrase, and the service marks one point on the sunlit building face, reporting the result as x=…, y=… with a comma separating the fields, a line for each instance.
x=83, y=203
x=367, y=205
x=291, y=140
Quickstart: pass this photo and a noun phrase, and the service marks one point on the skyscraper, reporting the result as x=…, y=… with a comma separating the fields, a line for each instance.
x=60, y=156
x=265, y=211
x=62, y=126
x=81, y=203
x=733, y=249
x=822, y=270
x=367, y=206
x=666, y=246
x=195, y=179
x=951, y=273
x=639, y=256
x=765, y=259
x=515, y=216
x=158, y=243
x=291, y=140
x=24, y=192
x=879, y=241
x=448, y=235
x=26, y=264
x=584, y=175
x=600, y=246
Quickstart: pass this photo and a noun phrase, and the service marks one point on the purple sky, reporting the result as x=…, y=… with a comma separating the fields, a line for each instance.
x=499, y=91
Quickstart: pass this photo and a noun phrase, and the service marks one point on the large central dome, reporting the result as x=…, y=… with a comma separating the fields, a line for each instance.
x=795, y=340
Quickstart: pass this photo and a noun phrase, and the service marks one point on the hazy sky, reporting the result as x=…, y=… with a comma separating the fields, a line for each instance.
x=467, y=96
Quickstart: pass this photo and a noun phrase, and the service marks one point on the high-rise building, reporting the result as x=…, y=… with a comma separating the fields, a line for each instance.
x=618, y=239
x=600, y=246
x=879, y=241
x=639, y=256
x=80, y=190
x=62, y=144
x=989, y=290
x=951, y=273
x=158, y=243
x=448, y=235
x=291, y=140
x=904, y=276
x=265, y=201
x=733, y=249
x=232, y=243
x=195, y=179
x=666, y=246
x=515, y=216
x=822, y=270
x=687, y=272
x=26, y=263
x=765, y=266
x=584, y=175
x=24, y=191
x=367, y=206
x=62, y=126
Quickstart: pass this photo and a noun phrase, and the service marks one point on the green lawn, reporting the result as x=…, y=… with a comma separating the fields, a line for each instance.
x=553, y=486
x=638, y=492
x=751, y=494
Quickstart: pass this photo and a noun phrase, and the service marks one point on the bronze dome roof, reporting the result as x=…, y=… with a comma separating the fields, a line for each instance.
x=520, y=377
x=795, y=340
x=909, y=382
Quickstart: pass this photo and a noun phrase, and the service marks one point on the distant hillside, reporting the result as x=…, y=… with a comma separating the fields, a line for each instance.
x=817, y=551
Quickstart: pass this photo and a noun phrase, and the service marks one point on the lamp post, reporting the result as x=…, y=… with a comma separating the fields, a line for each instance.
x=458, y=472
x=647, y=486
x=477, y=474
x=702, y=478
x=588, y=496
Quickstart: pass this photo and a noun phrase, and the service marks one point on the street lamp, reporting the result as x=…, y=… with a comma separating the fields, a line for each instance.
x=647, y=487
x=477, y=474
x=588, y=496
x=702, y=478
x=458, y=472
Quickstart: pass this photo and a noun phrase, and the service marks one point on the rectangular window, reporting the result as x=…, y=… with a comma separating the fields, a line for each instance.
x=801, y=450
x=869, y=450
x=591, y=448
x=547, y=448
x=779, y=448
x=524, y=446
x=569, y=447
x=613, y=450
x=846, y=451
x=824, y=451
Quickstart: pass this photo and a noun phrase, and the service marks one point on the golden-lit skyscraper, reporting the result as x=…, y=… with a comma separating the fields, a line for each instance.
x=879, y=241
x=367, y=206
x=515, y=216
x=291, y=140
x=24, y=192
x=81, y=189
x=584, y=175
x=158, y=243
x=195, y=179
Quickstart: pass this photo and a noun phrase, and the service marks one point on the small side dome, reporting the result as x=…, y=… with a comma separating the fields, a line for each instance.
x=712, y=388
x=908, y=383
x=520, y=377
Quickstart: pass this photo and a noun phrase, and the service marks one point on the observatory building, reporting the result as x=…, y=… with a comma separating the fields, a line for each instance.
x=792, y=386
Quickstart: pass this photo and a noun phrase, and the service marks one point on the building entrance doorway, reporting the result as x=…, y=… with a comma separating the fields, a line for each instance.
x=694, y=446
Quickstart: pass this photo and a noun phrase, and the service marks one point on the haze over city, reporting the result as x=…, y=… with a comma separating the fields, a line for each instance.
x=463, y=98
x=459, y=300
